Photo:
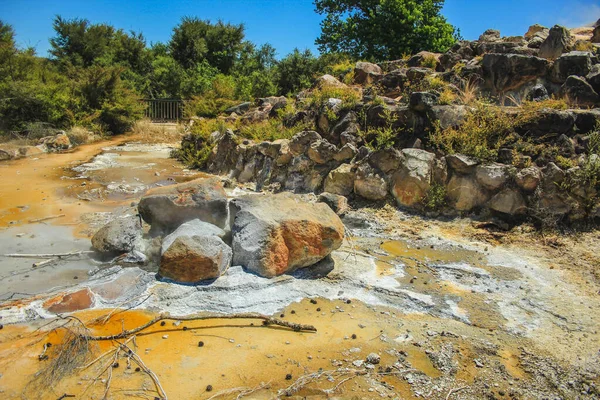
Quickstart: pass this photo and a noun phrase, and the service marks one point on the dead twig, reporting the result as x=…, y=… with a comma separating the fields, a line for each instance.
x=42, y=263
x=266, y=321
x=47, y=255
x=150, y=373
x=452, y=391
x=31, y=221
x=243, y=392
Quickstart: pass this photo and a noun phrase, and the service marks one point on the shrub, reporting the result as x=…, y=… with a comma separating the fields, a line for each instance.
x=483, y=132
x=435, y=198
x=429, y=61
x=319, y=97
x=380, y=137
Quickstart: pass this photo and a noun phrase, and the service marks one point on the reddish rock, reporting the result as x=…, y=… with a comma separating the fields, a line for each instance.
x=66, y=303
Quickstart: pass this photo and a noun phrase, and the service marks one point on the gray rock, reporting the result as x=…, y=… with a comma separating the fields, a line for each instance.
x=559, y=41
x=192, y=259
x=491, y=35
x=492, y=176
x=577, y=63
x=346, y=153
x=239, y=109
x=373, y=358
x=529, y=178
x=577, y=90
x=328, y=81
x=368, y=183
x=461, y=163
x=321, y=151
x=118, y=236
x=537, y=93
x=339, y=204
x=340, y=181
x=195, y=227
x=503, y=72
x=300, y=142
x=366, y=73
x=413, y=179
x=386, y=160
x=465, y=194
x=275, y=234
x=166, y=208
x=509, y=202
x=423, y=101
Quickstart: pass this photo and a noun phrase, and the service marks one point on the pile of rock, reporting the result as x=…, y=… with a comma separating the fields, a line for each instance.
x=203, y=232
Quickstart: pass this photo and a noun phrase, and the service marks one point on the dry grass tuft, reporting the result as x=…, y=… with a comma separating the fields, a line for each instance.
x=149, y=132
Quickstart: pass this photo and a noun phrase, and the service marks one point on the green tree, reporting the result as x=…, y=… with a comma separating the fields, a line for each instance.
x=79, y=43
x=297, y=71
x=381, y=30
x=195, y=40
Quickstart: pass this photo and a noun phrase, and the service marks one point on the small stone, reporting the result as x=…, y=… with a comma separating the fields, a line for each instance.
x=165, y=336
x=209, y=388
x=200, y=344
x=354, y=336
x=373, y=358
x=288, y=377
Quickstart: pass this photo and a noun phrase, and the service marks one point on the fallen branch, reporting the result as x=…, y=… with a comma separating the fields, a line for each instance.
x=150, y=373
x=266, y=321
x=452, y=391
x=31, y=221
x=47, y=255
x=42, y=263
x=243, y=391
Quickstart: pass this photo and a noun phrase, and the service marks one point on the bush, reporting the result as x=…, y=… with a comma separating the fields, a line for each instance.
x=483, y=132
x=435, y=198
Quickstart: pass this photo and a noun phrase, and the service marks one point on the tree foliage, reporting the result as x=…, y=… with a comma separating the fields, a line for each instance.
x=195, y=41
x=383, y=29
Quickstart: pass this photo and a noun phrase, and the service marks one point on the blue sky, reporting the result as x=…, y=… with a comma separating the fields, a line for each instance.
x=283, y=23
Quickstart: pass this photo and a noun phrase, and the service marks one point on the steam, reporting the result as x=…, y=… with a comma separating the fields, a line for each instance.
x=578, y=14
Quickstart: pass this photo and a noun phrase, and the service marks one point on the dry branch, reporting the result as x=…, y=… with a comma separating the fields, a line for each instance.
x=31, y=221
x=266, y=321
x=47, y=255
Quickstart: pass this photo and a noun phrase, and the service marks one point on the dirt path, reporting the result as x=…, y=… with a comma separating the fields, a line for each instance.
x=453, y=311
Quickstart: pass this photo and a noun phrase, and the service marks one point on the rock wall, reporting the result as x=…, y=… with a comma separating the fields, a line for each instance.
x=310, y=163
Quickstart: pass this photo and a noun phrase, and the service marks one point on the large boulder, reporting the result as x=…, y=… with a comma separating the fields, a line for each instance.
x=340, y=180
x=503, y=72
x=366, y=73
x=412, y=181
x=328, y=81
x=191, y=228
x=577, y=90
x=119, y=236
x=275, y=234
x=491, y=35
x=337, y=203
x=492, y=176
x=386, y=160
x=577, y=63
x=549, y=120
x=321, y=151
x=57, y=142
x=509, y=202
x=461, y=163
x=528, y=178
x=192, y=259
x=301, y=141
x=239, y=109
x=166, y=208
x=464, y=193
x=369, y=183
x=559, y=41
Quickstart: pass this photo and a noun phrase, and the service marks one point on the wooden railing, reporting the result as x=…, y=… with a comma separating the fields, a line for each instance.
x=164, y=110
